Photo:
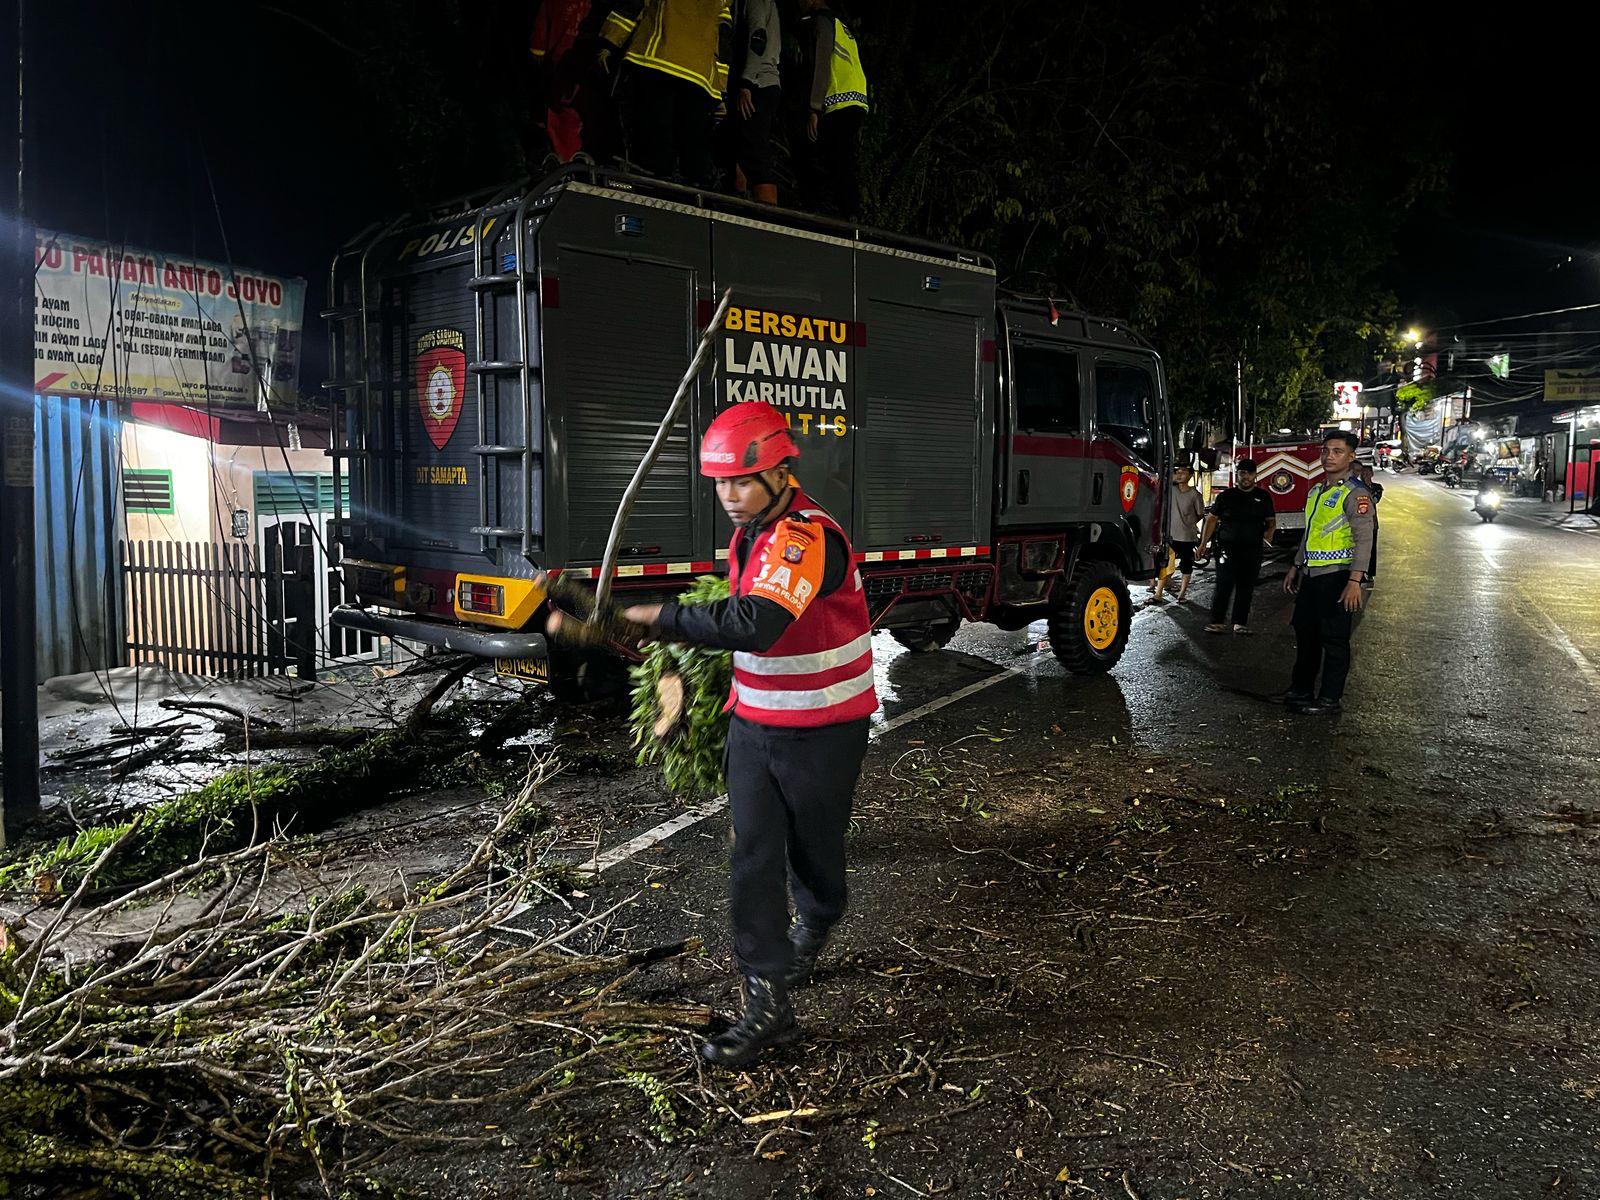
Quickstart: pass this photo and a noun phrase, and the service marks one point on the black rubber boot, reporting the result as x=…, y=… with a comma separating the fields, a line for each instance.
x=808, y=943
x=768, y=1020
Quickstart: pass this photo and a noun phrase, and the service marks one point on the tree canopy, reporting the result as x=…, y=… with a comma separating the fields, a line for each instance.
x=1222, y=175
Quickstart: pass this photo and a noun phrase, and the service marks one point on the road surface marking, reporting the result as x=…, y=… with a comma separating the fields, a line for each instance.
x=633, y=847
x=1591, y=675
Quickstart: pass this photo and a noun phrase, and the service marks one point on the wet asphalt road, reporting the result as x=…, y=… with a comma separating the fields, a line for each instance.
x=1478, y=655
x=1400, y=994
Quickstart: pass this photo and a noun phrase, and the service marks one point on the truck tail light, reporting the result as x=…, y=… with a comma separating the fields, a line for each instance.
x=486, y=598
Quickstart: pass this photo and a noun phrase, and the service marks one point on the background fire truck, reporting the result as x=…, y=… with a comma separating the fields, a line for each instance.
x=1288, y=470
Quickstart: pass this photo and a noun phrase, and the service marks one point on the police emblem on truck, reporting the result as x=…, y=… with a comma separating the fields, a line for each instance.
x=441, y=374
x=1130, y=487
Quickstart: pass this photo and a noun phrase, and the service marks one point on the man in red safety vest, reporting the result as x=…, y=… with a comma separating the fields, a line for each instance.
x=796, y=621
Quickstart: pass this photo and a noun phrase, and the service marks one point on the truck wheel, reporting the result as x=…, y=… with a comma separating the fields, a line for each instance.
x=924, y=639
x=1089, y=627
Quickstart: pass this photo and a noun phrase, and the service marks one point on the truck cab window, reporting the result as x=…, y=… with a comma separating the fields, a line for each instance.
x=1125, y=404
x=1045, y=381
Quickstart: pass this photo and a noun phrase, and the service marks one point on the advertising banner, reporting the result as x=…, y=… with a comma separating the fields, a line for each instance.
x=1580, y=385
x=126, y=324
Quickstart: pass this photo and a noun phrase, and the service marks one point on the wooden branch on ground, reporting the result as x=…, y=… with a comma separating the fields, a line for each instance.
x=695, y=1016
x=105, y=753
x=125, y=766
x=424, y=708
x=236, y=734
x=205, y=708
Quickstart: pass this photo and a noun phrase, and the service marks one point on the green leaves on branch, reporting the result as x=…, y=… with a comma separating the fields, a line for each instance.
x=690, y=745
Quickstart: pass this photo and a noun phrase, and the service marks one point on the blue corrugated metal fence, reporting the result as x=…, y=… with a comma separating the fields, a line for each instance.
x=77, y=450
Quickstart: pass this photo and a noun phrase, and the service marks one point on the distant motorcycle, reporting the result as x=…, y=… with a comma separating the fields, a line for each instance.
x=1452, y=477
x=1426, y=466
x=1487, y=505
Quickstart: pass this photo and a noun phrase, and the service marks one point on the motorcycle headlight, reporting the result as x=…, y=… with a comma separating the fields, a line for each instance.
x=1492, y=499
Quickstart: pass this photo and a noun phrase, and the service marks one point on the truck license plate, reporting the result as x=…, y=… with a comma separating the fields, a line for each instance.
x=537, y=669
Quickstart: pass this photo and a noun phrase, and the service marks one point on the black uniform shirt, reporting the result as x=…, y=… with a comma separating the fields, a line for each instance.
x=750, y=623
x=1242, y=516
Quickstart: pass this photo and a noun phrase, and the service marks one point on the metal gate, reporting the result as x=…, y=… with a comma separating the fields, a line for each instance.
x=208, y=608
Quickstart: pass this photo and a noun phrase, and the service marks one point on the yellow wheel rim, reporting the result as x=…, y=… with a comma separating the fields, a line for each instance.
x=1100, y=618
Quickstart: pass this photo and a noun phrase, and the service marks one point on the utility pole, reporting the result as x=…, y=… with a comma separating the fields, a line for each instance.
x=19, y=695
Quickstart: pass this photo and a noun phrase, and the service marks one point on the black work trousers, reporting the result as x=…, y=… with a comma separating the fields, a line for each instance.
x=790, y=792
x=830, y=176
x=753, y=134
x=667, y=126
x=1238, y=570
x=1321, y=635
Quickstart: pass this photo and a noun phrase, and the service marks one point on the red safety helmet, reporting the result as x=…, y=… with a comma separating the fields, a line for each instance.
x=746, y=439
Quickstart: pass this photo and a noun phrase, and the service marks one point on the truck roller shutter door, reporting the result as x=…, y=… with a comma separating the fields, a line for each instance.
x=624, y=342
x=919, y=374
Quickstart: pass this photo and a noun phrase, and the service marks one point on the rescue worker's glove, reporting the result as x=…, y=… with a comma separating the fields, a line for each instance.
x=670, y=708
x=572, y=616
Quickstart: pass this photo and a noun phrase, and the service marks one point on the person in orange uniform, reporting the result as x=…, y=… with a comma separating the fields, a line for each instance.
x=796, y=621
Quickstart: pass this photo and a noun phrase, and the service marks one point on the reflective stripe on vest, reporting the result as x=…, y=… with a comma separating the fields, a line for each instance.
x=1330, y=541
x=847, y=82
x=803, y=664
x=808, y=700
x=819, y=672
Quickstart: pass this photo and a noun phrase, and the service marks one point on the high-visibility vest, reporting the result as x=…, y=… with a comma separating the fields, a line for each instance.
x=1330, y=542
x=820, y=671
x=676, y=37
x=847, y=82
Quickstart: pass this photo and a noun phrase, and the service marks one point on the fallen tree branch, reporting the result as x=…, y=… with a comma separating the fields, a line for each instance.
x=424, y=707
x=240, y=1052
x=205, y=708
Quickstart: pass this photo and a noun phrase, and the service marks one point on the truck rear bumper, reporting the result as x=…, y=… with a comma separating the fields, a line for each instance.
x=487, y=643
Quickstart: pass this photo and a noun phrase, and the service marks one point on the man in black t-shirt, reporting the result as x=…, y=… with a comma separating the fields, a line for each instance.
x=1241, y=524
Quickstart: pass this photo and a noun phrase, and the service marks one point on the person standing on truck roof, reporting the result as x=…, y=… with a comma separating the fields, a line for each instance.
x=1325, y=580
x=756, y=95
x=676, y=69
x=562, y=92
x=830, y=170
x=1185, y=510
x=1241, y=525
x=796, y=621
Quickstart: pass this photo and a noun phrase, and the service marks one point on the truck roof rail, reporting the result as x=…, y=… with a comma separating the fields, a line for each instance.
x=703, y=198
x=1109, y=329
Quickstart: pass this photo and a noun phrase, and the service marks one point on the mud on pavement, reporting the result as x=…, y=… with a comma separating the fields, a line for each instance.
x=1074, y=967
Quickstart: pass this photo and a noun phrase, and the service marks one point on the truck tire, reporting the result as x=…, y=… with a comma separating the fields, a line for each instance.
x=1089, y=626
x=924, y=639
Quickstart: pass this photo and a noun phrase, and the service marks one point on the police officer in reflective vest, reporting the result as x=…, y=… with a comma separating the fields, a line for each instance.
x=796, y=621
x=830, y=176
x=1325, y=580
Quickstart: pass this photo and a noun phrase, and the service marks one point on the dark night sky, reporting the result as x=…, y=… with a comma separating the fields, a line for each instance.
x=1515, y=100
x=133, y=100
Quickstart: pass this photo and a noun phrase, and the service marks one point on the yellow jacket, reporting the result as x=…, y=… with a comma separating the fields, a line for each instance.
x=689, y=39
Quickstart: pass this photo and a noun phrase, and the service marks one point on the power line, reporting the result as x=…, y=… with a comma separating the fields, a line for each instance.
x=1549, y=312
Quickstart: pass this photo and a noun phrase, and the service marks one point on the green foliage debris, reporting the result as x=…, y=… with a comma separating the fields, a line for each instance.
x=690, y=757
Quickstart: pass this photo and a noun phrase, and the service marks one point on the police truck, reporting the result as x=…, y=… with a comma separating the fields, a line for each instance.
x=502, y=363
